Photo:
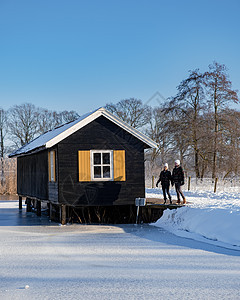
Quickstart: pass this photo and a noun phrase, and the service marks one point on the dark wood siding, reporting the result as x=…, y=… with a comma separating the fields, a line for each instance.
x=100, y=134
x=32, y=175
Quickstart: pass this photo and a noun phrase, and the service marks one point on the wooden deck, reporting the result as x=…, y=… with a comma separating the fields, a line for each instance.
x=154, y=208
x=157, y=202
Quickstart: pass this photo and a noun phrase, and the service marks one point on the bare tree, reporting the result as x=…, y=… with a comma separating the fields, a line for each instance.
x=3, y=130
x=220, y=93
x=23, y=123
x=46, y=121
x=69, y=116
x=26, y=121
x=132, y=111
x=178, y=132
x=49, y=120
x=156, y=130
x=229, y=140
x=190, y=101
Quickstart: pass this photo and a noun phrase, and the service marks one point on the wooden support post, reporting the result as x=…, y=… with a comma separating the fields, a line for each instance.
x=48, y=209
x=149, y=215
x=137, y=217
x=38, y=208
x=63, y=214
x=152, y=181
x=189, y=183
x=50, y=212
x=215, y=185
x=20, y=202
x=28, y=201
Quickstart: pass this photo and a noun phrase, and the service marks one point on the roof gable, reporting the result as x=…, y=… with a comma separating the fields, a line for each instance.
x=53, y=137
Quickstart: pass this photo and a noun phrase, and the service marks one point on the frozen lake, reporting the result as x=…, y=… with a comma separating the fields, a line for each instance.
x=108, y=262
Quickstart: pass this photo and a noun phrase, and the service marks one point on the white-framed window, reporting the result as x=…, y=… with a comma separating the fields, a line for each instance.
x=52, y=166
x=101, y=165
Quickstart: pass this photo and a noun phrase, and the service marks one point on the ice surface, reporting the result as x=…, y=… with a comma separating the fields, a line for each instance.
x=108, y=262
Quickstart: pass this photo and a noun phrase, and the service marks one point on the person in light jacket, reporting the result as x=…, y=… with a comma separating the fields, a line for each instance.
x=178, y=180
x=165, y=179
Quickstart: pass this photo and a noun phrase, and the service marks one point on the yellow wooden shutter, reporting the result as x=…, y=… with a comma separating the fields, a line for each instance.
x=84, y=165
x=119, y=165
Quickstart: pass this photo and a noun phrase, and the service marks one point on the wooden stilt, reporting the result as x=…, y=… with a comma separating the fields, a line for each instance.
x=137, y=217
x=38, y=208
x=20, y=202
x=63, y=215
x=50, y=212
x=28, y=201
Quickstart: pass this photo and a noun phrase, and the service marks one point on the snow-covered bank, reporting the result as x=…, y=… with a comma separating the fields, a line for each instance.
x=210, y=217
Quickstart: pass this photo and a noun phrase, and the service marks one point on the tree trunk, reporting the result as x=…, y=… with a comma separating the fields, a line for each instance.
x=195, y=142
x=214, y=167
x=2, y=143
x=215, y=150
x=2, y=172
x=197, y=171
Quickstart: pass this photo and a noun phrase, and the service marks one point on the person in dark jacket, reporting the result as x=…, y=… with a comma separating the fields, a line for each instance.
x=165, y=179
x=178, y=181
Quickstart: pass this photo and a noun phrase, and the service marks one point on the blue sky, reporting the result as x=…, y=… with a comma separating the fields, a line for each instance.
x=80, y=55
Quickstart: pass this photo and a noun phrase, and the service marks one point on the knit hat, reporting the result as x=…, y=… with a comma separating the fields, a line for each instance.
x=177, y=162
x=166, y=165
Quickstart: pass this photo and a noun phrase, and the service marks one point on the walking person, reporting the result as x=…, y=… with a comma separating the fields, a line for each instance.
x=178, y=181
x=165, y=179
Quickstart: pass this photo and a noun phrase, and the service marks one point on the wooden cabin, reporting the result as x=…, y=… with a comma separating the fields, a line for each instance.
x=94, y=162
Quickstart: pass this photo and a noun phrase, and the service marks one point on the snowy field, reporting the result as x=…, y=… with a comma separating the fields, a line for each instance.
x=209, y=217
x=42, y=260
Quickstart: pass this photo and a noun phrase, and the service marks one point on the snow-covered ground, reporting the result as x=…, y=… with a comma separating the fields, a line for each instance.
x=210, y=217
x=42, y=260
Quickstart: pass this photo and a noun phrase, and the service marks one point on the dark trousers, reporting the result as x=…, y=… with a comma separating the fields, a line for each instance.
x=179, y=190
x=165, y=189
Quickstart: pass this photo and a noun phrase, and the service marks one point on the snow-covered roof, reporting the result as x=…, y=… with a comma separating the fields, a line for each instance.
x=53, y=137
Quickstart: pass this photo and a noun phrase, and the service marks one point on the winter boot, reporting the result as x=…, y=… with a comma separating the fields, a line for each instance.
x=184, y=201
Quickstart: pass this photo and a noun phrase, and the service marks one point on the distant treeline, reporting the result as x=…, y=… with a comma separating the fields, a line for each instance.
x=196, y=125
x=22, y=123
x=18, y=126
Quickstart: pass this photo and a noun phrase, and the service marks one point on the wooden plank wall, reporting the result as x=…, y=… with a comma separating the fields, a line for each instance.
x=100, y=134
x=32, y=175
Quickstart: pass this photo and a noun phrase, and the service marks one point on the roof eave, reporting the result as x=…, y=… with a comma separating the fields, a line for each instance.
x=36, y=150
x=130, y=129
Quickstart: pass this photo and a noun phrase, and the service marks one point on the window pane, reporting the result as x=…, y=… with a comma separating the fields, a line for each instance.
x=52, y=164
x=51, y=169
x=97, y=158
x=106, y=172
x=106, y=158
x=97, y=172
